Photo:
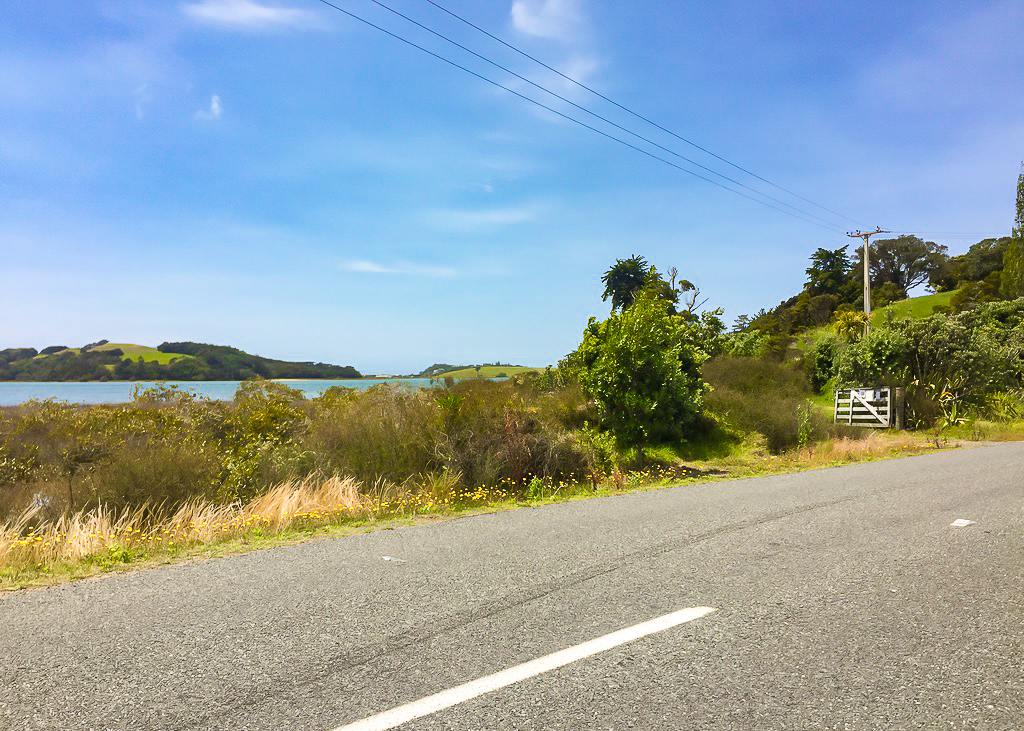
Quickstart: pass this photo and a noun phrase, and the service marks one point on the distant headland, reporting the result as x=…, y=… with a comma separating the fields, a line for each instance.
x=185, y=361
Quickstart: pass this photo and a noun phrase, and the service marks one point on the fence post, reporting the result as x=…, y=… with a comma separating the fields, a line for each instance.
x=897, y=404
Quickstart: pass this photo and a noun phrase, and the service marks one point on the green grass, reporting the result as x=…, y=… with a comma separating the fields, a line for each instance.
x=149, y=354
x=132, y=351
x=488, y=372
x=915, y=308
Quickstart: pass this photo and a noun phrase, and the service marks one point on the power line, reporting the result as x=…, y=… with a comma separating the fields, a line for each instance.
x=908, y=232
x=826, y=225
x=635, y=114
x=592, y=113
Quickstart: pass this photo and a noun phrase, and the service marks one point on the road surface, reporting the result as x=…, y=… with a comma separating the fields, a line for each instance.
x=843, y=599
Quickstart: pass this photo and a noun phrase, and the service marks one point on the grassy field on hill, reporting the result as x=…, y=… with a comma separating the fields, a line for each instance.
x=132, y=351
x=489, y=372
x=915, y=307
x=150, y=355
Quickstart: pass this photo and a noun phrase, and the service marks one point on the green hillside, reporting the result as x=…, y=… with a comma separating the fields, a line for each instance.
x=914, y=308
x=148, y=354
x=183, y=361
x=487, y=372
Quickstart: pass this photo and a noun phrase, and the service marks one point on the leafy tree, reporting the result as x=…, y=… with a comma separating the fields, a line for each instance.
x=980, y=261
x=642, y=367
x=906, y=261
x=886, y=294
x=829, y=271
x=1012, y=284
x=623, y=280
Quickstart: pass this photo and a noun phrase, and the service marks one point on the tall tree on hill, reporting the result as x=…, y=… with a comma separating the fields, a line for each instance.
x=829, y=271
x=1012, y=280
x=906, y=261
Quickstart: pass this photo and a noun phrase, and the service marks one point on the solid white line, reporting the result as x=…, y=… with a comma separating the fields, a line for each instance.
x=460, y=693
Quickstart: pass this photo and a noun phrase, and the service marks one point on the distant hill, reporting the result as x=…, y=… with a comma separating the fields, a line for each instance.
x=184, y=361
x=485, y=370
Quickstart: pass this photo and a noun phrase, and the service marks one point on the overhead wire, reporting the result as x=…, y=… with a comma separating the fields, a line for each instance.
x=633, y=113
x=592, y=113
x=826, y=225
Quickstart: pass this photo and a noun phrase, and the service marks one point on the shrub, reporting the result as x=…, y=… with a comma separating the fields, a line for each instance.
x=492, y=432
x=386, y=432
x=820, y=363
x=642, y=367
x=765, y=397
x=161, y=473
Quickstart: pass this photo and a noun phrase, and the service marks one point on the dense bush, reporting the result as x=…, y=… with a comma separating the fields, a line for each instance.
x=642, y=368
x=765, y=397
x=167, y=447
x=982, y=348
x=967, y=355
x=819, y=364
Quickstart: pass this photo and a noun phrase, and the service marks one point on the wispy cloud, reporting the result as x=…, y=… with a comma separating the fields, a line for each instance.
x=213, y=112
x=474, y=220
x=562, y=22
x=365, y=266
x=553, y=19
x=248, y=15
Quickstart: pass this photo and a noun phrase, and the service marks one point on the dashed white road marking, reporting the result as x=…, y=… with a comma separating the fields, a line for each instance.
x=461, y=693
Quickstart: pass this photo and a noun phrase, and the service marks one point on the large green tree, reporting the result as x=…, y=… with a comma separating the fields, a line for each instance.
x=642, y=368
x=980, y=262
x=1012, y=280
x=829, y=271
x=906, y=261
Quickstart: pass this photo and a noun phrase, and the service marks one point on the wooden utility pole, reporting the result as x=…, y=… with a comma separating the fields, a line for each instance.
x=866, y=235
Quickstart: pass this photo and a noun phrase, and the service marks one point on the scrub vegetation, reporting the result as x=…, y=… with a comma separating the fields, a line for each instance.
x=656, y=393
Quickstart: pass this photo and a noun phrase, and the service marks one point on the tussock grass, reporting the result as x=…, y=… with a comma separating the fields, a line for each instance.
x=107, y=537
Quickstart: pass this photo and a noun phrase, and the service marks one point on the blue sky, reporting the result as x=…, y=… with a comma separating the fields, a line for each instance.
x=280, y=177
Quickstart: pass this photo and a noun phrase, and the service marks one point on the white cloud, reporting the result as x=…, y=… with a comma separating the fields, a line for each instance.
x=553, y=19
x=143, y=97
x=473, y=220
x=365, y=266
x=248, y=15
x=213, y=112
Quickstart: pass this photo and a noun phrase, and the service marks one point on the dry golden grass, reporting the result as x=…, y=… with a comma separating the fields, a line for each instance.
x=26, y=542
x=876, y=445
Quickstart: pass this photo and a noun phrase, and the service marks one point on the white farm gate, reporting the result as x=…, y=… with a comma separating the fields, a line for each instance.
x=872, y=407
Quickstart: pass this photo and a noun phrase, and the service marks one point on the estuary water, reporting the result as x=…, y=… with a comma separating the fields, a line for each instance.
x=13, y=393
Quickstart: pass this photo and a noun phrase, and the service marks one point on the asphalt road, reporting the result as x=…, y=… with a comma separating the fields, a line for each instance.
x=844, y=598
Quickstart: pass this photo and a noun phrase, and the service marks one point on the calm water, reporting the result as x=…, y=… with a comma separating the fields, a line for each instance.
x=117, y=392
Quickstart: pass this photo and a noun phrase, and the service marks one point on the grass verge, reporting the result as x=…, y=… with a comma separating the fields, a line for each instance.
x=36, y=552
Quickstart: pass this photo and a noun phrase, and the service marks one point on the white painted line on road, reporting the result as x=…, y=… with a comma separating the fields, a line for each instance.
x=461, y=693
x=961, y=522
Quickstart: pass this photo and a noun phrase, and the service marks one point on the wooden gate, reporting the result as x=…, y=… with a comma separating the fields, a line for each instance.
x=871, y=407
